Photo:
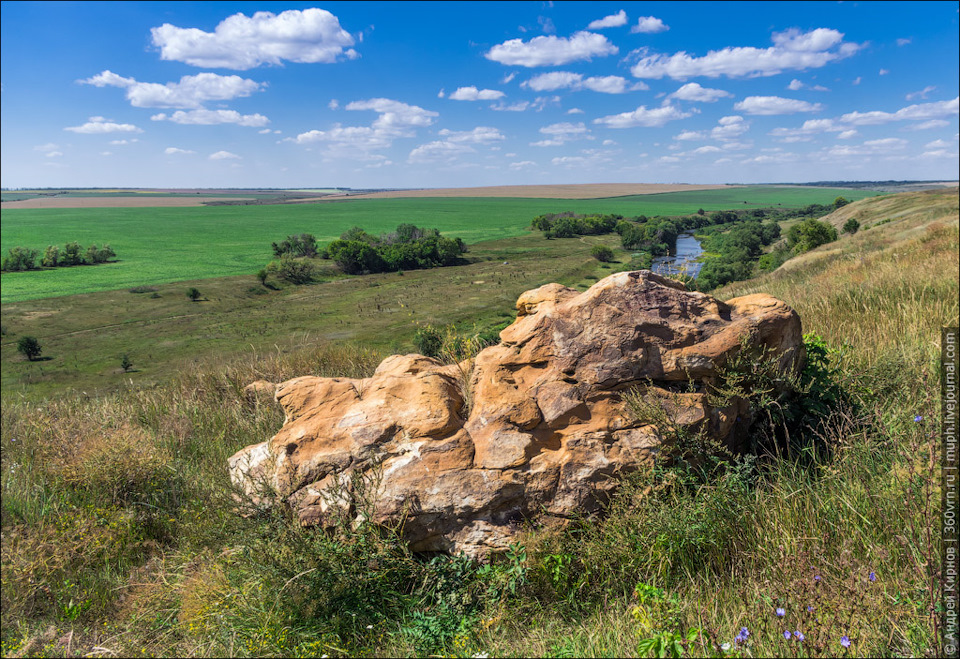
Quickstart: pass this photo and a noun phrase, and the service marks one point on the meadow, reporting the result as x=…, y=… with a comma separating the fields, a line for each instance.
x=163, y=245
x=121, y=536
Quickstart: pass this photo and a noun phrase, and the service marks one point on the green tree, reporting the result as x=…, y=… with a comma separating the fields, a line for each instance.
x=19, y=259
x=30, y=347
x=851, y=226
x=262, y=275
x=72, y=254
x=126, y=363
x=193, y=293
x=295, y=271
x=808, y=234
x=840, y=201
x=602, y=253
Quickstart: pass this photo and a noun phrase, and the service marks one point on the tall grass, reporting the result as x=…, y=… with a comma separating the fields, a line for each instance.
x=122, y=535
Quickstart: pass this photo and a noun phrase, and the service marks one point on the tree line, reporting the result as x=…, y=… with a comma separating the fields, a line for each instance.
x=23, y=258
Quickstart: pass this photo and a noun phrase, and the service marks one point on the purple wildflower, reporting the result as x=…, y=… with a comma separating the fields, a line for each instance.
x=810, y=609
x=799, y=636
x=845, y=641
x=786, y=635
x=816, y=577
x=873, y=576
x=742, y=636
x=781, y=612
x=917, y=419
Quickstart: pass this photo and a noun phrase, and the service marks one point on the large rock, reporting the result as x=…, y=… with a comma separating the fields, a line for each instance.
x=534, y=428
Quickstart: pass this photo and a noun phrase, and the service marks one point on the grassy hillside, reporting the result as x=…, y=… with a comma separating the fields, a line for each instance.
x=163, y=245
x=120, y=535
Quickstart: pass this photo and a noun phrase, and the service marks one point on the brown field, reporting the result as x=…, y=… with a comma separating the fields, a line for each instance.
x=112, y=202
x=572, y=191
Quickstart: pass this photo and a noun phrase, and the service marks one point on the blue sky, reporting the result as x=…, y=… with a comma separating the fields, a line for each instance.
x=366, y=94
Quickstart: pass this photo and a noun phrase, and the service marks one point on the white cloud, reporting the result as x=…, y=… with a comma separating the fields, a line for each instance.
x=706, y=149
x=242, y=42
x=224, y=155
x=903, y=42
x=473, y=94
x=99, y=125
x=439, y=151
x=927, y=125
x=937, y=144
x=729, y=128
x=922, y=94
x=522, y=164
x=575, y=81
x=172, y=151
x=614, y=20
x=106, y=153
x=53, y=154
x=479, y=135
x=212, y=117
x=884, y=72
x=648, y=25
x=47, y=148
x=561, y=133
x=190, y=92
x=124, y=142
x=333, y=104
x=857, y=80
x=775, y=105
x=508, y=78
x=265, y=131
x=654, y=117
x=690, y=135
x=910, y=113
x=395, y=116
x=609, y=143
x=551, y=50
x=519, y=106
x=795, y=85
x=847, y=134
x=792, y=50
x=694, y=92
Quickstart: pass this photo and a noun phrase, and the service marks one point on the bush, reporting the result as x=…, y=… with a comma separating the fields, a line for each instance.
x=429, y=341
x=29, y=346
x=294, y=270
x=851, y=226
x=51, y=257
x=303, y=244
x=809, y=234
x=602, y=253
x=19, y=259
x=193, y=293
x=72, y=254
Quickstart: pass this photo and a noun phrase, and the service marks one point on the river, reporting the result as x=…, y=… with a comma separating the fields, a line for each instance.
x=688, y=250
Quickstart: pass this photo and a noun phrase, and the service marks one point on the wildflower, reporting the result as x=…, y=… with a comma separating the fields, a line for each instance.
x=781, y=612
x=480, y=655
x=799, y=636
x=725, y=647
x=786, y=635
x=873, y=576
x=369, y=626
x=917, y=419
x=742, y=636
x=810, y=609
x=845, y=641
x=816, y=577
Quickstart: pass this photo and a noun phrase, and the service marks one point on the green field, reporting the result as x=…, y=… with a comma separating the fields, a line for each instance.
x=163, y=245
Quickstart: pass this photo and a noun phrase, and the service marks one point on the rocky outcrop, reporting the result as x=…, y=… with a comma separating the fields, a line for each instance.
x=536, y=427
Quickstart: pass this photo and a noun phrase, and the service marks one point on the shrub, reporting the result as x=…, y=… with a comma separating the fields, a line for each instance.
x=602, y=253
x=29, y=347
x=19, y=259
x=851, y=226
x=126, y=363
x=72, y=254
x=193, y=293
x=303, y=244
x=262, y=274
x=294, y=270
x=428, y=341
x=51, y=257
x=808, y=234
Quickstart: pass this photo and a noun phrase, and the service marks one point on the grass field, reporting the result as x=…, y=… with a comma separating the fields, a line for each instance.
x=120, y=536
x=162, y=245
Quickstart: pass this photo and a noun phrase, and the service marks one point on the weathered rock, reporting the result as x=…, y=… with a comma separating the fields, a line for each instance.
x=535, y=427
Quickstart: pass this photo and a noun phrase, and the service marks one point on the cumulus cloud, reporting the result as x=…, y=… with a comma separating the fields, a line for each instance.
x=694, y=92
x=575, y=81
x=917, y=112
x=522, y=164
x=551, y=50
x=172, y=151
x=654, y=117
x=333, y=104
x=614, y=20
x=189, y=92
x=439, y=151
x=903, y=42
x=729, y=128
x=775, y=105
x=687, y=135
x=561, y=133
x=473, y=94
x=574, y=111
x=124, y=142
x=241, y=42
x=212, y=117
x=223, y=155
x=847, y=134
x=99, y=125
x=649, y=25
x=792, y=50
x=927, y=125
x=519, y=106
x=479, y=135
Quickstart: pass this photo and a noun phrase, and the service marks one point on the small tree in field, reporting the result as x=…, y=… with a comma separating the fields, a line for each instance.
x=193, y=294
x=126, y=363
x=602, y=253
x=851, y=226
x=29, y=346
x=840, y=201
x=262, y=274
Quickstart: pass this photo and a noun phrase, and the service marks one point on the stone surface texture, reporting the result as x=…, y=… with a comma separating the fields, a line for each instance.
x=533, y=428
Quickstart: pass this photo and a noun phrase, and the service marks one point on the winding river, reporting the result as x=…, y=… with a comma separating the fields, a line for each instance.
x=684, y=261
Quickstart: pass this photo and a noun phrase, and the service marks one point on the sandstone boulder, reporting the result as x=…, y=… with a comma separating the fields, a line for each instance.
x=534, y=428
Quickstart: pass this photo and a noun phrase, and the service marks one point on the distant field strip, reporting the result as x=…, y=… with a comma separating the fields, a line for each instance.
x=162, y=245
x=578, y=191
